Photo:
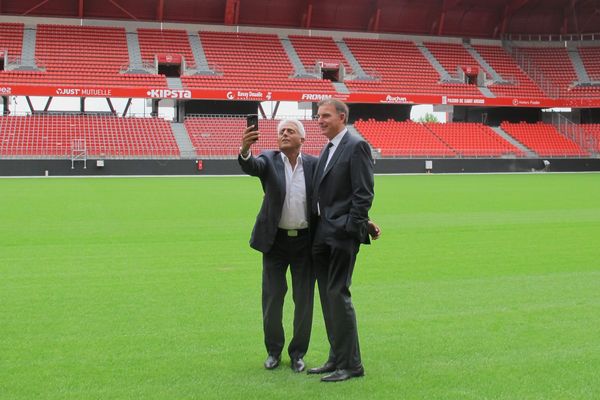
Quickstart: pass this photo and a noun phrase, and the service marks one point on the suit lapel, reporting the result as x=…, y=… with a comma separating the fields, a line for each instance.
x=336, y=155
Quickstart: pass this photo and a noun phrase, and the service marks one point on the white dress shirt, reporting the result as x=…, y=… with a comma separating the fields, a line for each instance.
x=293, y=214
x=334, y=144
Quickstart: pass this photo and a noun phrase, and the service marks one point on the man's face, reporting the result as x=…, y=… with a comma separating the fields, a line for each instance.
x=330, y=121
x=289, y=138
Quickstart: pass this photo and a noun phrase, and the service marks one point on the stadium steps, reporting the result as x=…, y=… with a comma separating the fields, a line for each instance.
x=441, y=139
x=484, y=64
x=28, y=50
x=358, y=70
x=341, y=87
x=202, y=67
x=299, y=70
x=513, y=141
x=582, y=75
x=186, y=148
x=135, y=56
x=485, y=91
x=174, y=83
x=444, y=75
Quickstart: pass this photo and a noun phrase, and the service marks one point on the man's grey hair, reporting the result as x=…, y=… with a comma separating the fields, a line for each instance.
x=295, y=122
x=340, y=107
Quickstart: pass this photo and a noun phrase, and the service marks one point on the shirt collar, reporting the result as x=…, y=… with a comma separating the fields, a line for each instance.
x=338, y=138
x=285, y=158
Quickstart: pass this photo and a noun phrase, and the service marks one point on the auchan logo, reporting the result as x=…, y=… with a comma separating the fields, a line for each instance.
x=169, y=94
x=315, y=96
x=395, y=99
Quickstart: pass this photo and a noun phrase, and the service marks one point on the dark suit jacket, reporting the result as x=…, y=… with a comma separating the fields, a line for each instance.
x=345, y=192
x=269, y=167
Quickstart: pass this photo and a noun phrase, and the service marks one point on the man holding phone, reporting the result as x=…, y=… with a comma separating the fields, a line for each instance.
x=281, y=233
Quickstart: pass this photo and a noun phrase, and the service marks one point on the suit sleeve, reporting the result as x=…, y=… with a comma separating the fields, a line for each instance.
x=254, y=166
x=361, y=176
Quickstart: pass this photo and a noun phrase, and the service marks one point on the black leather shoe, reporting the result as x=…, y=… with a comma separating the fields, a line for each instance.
x=344, y=374
x=298, y=365
x=327, y=367
x=272, y=362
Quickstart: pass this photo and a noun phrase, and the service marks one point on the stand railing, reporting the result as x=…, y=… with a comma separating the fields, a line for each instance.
x=533, y=71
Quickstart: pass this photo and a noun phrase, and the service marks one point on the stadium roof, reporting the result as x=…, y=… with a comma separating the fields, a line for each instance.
x=471, y=18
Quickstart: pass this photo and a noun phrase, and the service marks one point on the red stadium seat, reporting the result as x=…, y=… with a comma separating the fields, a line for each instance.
x=105, y=136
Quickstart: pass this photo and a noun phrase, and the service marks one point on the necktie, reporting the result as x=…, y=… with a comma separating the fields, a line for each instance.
x=323, y=161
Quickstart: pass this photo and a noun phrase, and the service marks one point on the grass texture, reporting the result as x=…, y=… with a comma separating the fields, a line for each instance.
x=481, y=287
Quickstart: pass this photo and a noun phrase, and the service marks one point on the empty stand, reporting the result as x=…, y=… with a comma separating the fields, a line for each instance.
x=556, y=65
x=452, y=56
x=167, y=41
x=520, y=84
x=402, y=69
x=403, y=139
x=311, y=49
x=82, y=55
x=591, y=60
x=105, y=136
x=219, y=137
x=544, y=139
x=250, y=62
x=592, y=131
x=11, y=38
x=470, y=139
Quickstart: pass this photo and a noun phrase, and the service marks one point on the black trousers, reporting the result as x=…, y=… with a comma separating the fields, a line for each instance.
x=333, y=267
x=295, y=253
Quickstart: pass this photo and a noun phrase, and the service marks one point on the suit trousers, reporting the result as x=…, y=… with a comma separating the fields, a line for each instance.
x=295, y=253
x=333, y=267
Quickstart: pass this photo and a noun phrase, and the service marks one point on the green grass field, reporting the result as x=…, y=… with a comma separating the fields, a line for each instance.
x=482, y=287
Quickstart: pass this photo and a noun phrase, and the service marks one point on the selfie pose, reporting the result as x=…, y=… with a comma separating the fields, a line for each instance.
x=281, y=233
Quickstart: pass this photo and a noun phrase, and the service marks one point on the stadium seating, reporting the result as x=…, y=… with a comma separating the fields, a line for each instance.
x=470, y=139
x=403, y=139
x=82, y=55
x=592, y=131
x=105, y=136
x=521, y=85
x=167, y=41
x=557, y=67
x=402, y=68
x=219, y=137
x=517, y=83
x=11, y=38
x=591, y=60
x=250, y=62
x=544, y=139
x=311, y=49
x=451, y=56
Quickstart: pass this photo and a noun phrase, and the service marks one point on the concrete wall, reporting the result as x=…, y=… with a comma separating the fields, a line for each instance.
x=231, y=167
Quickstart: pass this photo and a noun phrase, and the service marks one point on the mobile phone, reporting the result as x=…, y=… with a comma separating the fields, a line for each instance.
x=252, y=119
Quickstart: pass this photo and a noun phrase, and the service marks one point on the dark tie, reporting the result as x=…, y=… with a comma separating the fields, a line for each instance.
x=323, y=161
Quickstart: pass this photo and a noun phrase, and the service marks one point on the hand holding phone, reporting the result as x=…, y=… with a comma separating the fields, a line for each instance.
x=252, y=120
x=251, y=134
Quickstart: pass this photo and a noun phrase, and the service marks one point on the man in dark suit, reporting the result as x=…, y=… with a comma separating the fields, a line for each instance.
x=281, y=234
x=342, y=196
